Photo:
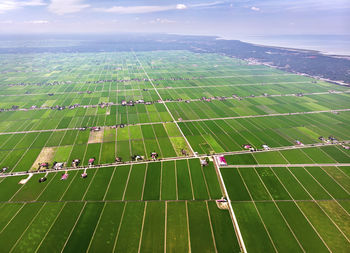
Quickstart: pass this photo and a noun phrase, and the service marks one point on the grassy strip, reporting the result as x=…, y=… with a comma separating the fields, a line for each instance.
x=105, y=234
x=309, y=183
x=278, y=229
x=168, y=181
x=338, y=215
x=306, y=235
x=254, y=184
x=275, y=188
x=199, y=187
x=59, y=232
x=200, y=233
x=183, y=180
x=153, y=230
x=291, y=184
x=234, y=184
x=80, y=238
x=212, y=181
x=33, y=236
x=337, y=175
x=99, y=184
x=118, y=183
x=225, y=237
x=334, y=239
x=130, y=230
x=135, y=184
x=79, y=185
x=10, y=186
x=7, y=212
x=32, y=189
x=17, y=226
x=152, y=185
x=177, y=235
x=57, y=187
x=328, y=183
x=252, y=228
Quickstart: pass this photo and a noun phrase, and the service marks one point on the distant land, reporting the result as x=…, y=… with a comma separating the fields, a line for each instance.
x=334, y=68
x=326, y=44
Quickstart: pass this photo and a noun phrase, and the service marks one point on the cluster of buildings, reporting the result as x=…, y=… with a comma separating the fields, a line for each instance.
x=140, y=101
x=40, y=84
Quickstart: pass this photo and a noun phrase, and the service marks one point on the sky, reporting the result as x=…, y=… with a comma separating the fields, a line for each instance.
x=228, y=19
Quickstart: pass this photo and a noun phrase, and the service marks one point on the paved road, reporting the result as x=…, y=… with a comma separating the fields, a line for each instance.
x=21, y=173
x=288, y=165
x=266, y=115
x=166, y=107
x=175, y=101
x=160, y=88
x=232, y=213
x=189, y=120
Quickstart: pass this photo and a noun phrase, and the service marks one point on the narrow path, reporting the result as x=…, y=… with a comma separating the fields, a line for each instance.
x=289, y=165
x=166, y=107
x=189, y=120
x=232, y=214
x=21, y=173
x=268, y=115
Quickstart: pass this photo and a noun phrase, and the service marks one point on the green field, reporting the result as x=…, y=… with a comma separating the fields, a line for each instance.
x=169, y=205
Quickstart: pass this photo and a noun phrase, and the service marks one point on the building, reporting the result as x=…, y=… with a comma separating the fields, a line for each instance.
x=222, y=161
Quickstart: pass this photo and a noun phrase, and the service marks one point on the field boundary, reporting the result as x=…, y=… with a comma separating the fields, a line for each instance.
x=232, y=214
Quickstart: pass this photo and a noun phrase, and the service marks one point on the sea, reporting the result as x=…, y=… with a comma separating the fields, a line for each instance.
x=326, y=44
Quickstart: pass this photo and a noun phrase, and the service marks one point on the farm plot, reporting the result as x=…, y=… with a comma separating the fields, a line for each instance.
x=282, y=203
x=81, y=226
x=170, y=205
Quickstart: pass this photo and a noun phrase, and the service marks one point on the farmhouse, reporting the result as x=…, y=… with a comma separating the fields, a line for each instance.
x=95, y=129
x=265, y=147
x=57, y=166
x=43, y=166
x=299, y=143
x=154, y=155
x=137, y=158
x=91, y=161
x=222, y=161
x=75, y=163
x=42, y=179
x=204, y=161
x=64, y=176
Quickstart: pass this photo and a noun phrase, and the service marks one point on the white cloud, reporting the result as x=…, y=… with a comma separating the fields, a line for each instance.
x=162, y=21
x=255, y=8
x=9, y=5
x=37, y=22
x=304, y=5
x=181, y=6
x=137, y=9
x=62, y=7
x=206, y=4
x=140, y=9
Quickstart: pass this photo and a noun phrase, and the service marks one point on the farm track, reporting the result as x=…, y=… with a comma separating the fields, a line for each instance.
x=166, y=107
x=200, y=156
x=190, y=100
x=289, y=165
x=161, y=88
x=190, y=120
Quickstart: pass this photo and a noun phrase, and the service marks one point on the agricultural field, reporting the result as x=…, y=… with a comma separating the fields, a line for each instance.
x=151, y=206
x=163, y=113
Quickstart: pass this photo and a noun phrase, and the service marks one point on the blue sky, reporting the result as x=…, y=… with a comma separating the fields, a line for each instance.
x=229, y=19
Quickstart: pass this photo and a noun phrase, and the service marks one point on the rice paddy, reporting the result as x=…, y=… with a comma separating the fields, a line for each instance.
x=141, y=124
